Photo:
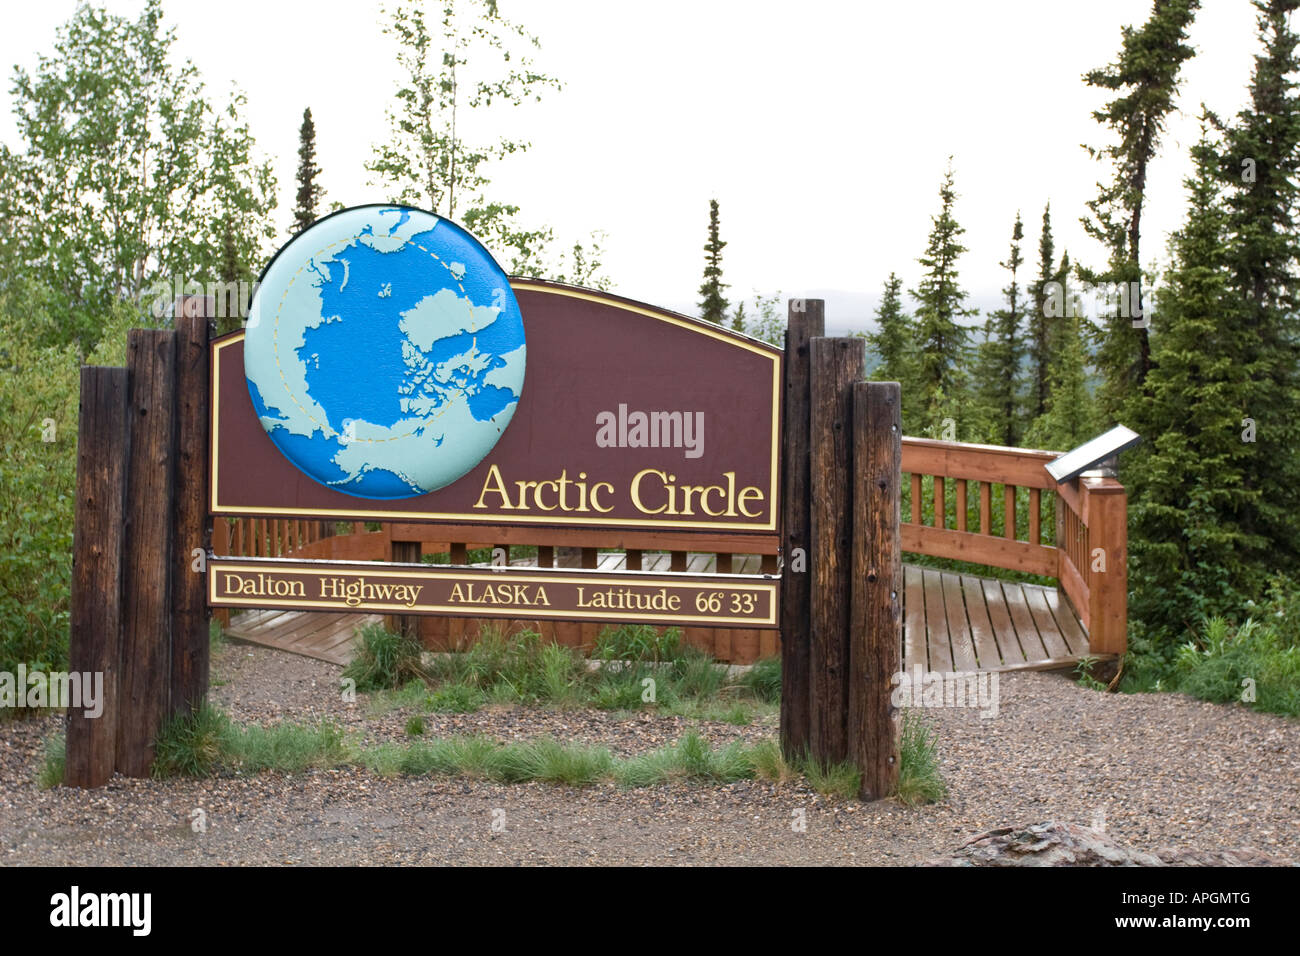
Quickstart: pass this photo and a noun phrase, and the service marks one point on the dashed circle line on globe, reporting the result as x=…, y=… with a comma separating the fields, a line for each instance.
x=275, y=342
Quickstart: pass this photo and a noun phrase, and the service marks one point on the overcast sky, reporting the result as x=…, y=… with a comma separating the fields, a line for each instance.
x=821, y=127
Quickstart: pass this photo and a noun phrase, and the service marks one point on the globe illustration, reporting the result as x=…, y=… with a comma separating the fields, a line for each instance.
x=384, y=351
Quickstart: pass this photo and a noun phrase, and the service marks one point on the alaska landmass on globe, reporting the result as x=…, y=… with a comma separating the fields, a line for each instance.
x=384, y=352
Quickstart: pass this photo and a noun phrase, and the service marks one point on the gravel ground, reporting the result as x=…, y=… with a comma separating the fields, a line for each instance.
x=1155, y=770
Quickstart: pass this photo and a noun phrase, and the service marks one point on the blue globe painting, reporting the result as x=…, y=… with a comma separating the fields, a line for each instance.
x=384, y=351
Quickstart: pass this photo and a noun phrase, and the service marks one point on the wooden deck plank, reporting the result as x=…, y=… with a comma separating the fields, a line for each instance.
x=986, y=645
x=1071, y=628
x=248, y=621
x=914, y=642
x=1052, y=639
x=936, y=622
x=308, y=635
x=1003, y=630
x=959, y=633
x=1018, y=608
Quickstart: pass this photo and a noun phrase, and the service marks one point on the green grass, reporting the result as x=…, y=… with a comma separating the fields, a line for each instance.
x=206, y=743
x=919, y=780
x=384, y=660
x=637, y=668
x=53, y=763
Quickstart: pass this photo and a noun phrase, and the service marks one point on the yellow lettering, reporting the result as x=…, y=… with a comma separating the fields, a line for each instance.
x=636, y=491
x=494, y=474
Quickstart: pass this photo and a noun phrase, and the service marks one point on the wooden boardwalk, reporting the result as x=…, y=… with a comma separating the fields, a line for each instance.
x=959, y=622
x=951, y=622
x=323, y=635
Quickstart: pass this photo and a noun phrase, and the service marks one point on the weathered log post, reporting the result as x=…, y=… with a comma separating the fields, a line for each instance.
x=191, y=531
x=836, y=364
x=95, y=640
x=807, y=319
x=875, y=617
x=147, y=553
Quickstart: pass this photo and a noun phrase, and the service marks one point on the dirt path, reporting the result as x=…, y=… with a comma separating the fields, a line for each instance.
x=1155, y=770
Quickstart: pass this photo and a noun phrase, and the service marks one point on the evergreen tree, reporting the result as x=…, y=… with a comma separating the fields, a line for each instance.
x=738, y=317
x=713, y=306
x=1146, y=71
x=310, y=192
x=999, y=366
x=233, y=271
x=1258, y=168
x=1040, y=326
x=1070, y=417
x=1194, y=507
x=894, y=336
x=941, y=338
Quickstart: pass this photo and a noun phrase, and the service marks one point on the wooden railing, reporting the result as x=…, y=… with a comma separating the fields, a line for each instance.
x=1088, y=550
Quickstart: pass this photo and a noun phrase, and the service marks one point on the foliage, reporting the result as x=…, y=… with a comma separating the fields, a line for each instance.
x=455, y=71
x=894, y=344
x=713, y=305
x=111, y=125
x=1255, y=662
x=1145, y=75
x=1259, y=172
x=1192, y=484
x=310, y=193
x=941, y=376
x=999, y=380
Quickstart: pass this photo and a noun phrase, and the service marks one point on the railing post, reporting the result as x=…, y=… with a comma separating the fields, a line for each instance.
x=1107, y=571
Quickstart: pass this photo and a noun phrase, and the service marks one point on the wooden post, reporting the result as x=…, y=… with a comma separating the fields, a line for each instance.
x=806, y=320
x=406, y=624
x=95, y=637
x=875, y=617
x=190, y=646
x=146, y=566
x=836, y=364
x=1108, y=589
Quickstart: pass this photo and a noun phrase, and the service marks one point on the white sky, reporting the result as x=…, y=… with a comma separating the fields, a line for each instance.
x=821, y=127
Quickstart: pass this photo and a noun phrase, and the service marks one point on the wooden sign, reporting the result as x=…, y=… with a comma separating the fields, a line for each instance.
x=711, y=600
x=627, y=416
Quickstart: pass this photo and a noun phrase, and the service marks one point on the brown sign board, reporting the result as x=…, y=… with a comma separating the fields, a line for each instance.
x=707, y=600
x=597, y=439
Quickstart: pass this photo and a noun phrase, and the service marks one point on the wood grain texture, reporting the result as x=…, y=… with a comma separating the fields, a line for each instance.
x=147, y=566
x=875, y=618
x=190, y=645
x=836, y=364
x=796, y=586
x=95, y=636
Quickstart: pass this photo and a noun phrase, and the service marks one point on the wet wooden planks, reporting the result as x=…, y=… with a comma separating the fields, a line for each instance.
x=964, y=623
x=323, y=635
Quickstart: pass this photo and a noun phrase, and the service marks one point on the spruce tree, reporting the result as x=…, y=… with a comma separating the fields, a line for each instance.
x=738, y=318
x=712, y=304
x=894, y=343
x=233, y=271
x=1146, y=72
x=1258, y=168
x=999, y=366
x=310, y=192
x=941, y=337
x=1194, y=542
x=1040, y=326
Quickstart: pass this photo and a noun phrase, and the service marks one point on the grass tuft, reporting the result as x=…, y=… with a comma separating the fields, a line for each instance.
x=54, y=764
x=919, y=780
x=193, y=744
x=384, y=660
